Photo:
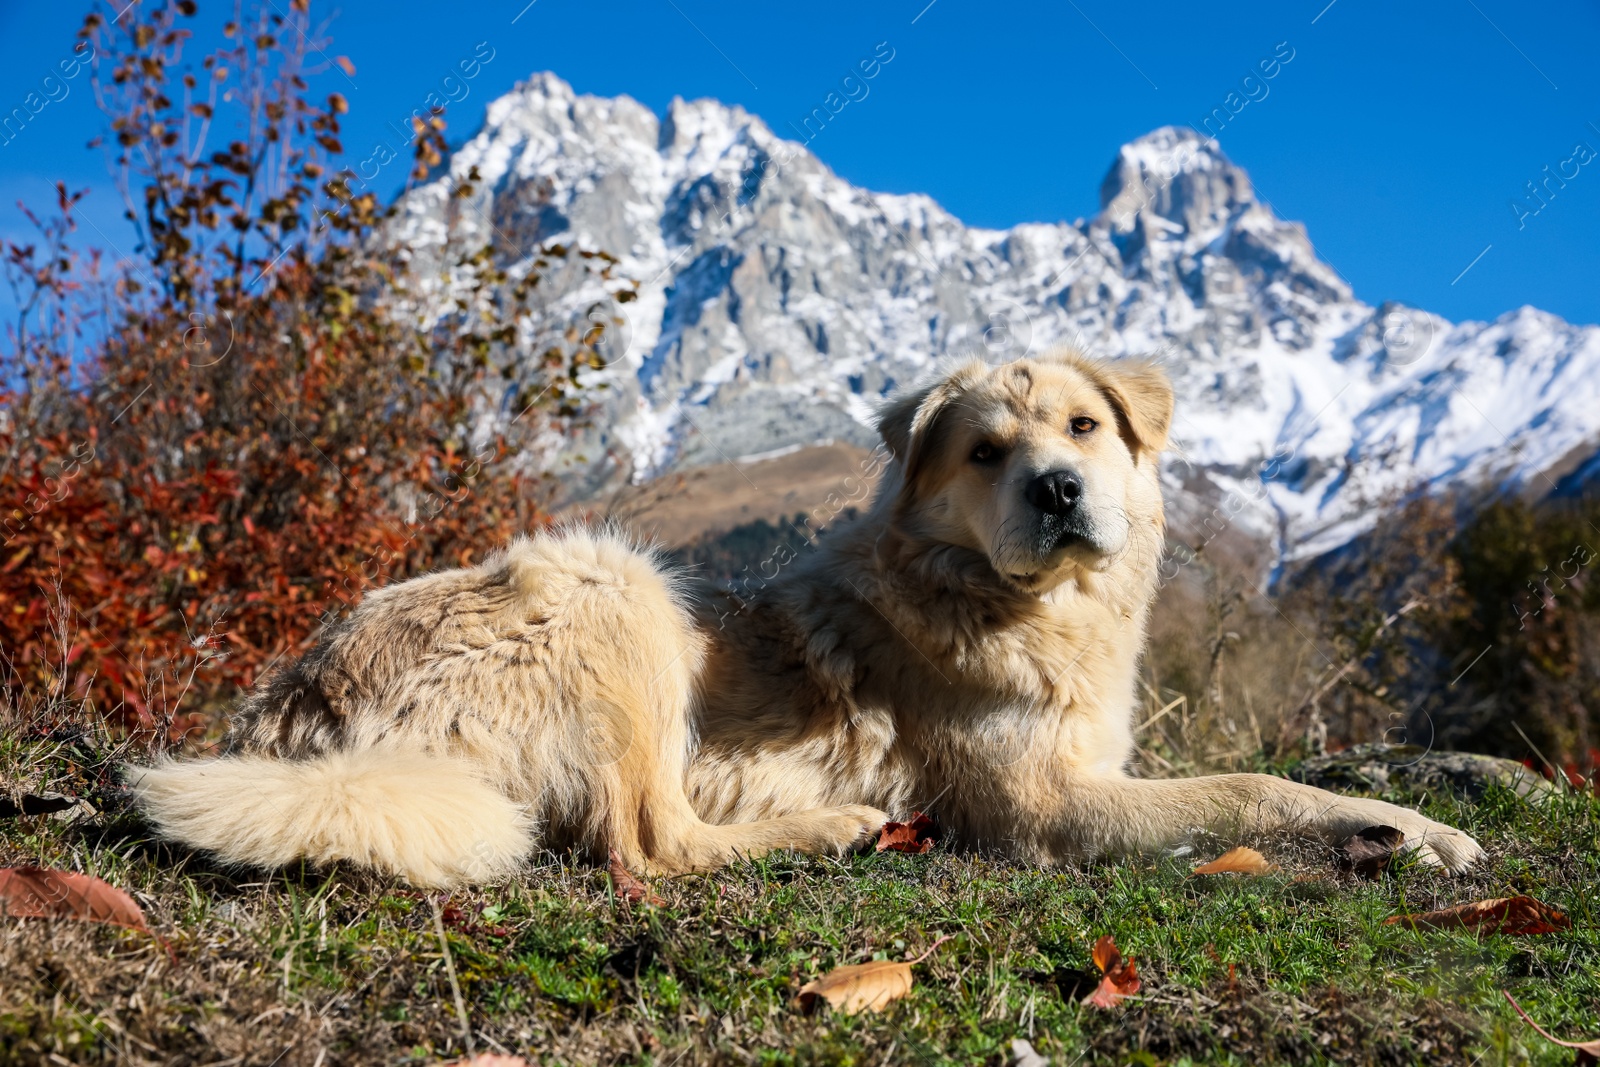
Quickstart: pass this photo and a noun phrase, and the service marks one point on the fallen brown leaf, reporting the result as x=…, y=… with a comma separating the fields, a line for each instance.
x=40, y=893
x=628, y=887
x=859, y=986
x=1238, y=861
x=1502, y=915
x=1370, y=850
x=490, y=1059
x=913, y=836
x=1588, y=1051
x=1120, y=977
x=863, y=986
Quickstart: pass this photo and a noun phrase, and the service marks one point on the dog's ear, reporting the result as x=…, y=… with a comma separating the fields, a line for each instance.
x=910, y=424
x=894, y=421
x=1142, y=395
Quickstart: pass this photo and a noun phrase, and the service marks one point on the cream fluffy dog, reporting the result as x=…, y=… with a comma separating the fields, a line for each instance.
x=973, y=640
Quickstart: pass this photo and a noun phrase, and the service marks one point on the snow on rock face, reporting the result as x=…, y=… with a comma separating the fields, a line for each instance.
x=778, y=305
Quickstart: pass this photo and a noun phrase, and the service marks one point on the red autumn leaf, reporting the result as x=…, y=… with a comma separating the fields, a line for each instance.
x=1501, y=915
x=914, y=836
x=1120, y=978
x=1588, y=1051
x=628, y=887
x=457, y=919
x=39, y=893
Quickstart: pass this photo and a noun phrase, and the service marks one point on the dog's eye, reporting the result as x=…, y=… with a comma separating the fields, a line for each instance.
x=985, y=453
x=1083, y=424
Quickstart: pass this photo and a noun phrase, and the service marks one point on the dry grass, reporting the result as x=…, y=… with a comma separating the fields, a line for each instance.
x=317, y=969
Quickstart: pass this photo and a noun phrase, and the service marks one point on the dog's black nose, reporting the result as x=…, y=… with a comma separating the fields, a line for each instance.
x=1055, y=493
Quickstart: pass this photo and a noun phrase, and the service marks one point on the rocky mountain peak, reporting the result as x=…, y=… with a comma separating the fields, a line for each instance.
x=1175, y=175
x=778, y=305
x=705, y=125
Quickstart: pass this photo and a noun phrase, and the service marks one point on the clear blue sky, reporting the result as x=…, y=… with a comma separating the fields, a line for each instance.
x=1399, y=134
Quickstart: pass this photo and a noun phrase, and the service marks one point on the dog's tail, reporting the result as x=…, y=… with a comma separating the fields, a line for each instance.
x=428, y=819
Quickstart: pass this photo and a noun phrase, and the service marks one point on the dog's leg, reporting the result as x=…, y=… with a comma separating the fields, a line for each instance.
x=1122, y=815
x=626, y=691
x=643, y=811
x=822, y=831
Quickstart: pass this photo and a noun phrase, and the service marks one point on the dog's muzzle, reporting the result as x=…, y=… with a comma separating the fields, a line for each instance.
x=1054, y=492
x=1061, y=520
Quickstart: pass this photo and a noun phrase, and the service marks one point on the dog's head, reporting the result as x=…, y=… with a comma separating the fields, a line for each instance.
x=1045, y=465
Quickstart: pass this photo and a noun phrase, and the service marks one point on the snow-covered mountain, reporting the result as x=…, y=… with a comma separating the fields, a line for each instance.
x=778, y=304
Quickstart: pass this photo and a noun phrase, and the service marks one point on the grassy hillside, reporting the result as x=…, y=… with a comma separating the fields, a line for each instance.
x=306, y=968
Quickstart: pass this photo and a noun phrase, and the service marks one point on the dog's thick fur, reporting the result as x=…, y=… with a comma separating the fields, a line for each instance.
x=970, y=644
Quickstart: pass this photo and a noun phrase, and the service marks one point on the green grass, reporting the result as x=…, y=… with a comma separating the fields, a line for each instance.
x=341, y=968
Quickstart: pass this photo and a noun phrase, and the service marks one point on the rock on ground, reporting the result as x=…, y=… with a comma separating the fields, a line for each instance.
x=1379, y=766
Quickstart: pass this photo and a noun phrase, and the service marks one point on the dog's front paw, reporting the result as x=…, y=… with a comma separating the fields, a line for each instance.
x=1435, y=844
x=1438, y=845
x=852, y=825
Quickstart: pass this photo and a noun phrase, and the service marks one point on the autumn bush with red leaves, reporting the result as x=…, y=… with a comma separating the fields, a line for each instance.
x=207, y=452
